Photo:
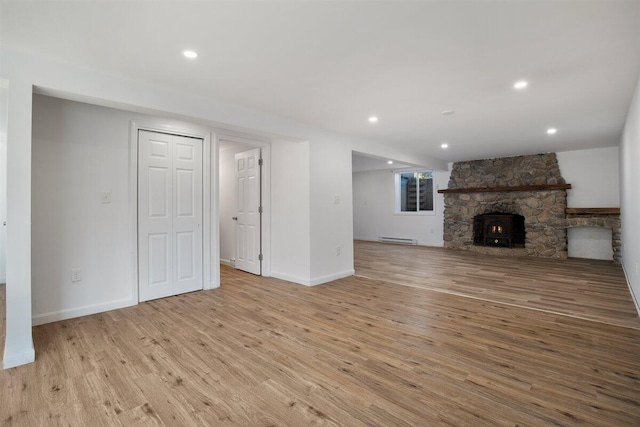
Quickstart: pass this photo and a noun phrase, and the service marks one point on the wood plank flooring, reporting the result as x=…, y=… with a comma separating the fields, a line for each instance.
x=355, y=352
x=589, y=289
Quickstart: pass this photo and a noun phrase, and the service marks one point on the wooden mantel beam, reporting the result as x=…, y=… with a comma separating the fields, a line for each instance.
x=539, y=187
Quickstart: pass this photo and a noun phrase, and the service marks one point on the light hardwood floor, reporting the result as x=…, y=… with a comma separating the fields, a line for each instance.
x=355, y=352
x=589, y=289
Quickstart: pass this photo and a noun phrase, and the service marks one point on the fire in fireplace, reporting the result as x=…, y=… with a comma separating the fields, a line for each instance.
x=499, y=229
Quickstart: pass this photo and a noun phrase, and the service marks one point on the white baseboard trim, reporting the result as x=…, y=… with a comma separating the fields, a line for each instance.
x=331, y=277
x=366, y=239
x=313, y=282
x=18, y=359
x=633, y=295
x=70, y=313
x=289, y=278
x=420, y=243
x=226, y=262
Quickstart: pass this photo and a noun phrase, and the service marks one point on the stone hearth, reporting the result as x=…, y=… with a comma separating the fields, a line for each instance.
x=543, y=209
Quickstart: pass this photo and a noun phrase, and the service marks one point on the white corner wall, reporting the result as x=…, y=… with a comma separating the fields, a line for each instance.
x=18, y=348
x=630, y=196
x=594, y=177
x=79, y=151
x=331, y=200
x=331, y=210
x=374, y=210
x=4, y=92
x=290, y=223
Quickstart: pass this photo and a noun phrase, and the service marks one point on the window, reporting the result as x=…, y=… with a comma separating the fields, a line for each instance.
x=414, y=191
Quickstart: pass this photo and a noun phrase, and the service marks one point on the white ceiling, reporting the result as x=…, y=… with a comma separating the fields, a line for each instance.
x=362, y=162
x=332, y=64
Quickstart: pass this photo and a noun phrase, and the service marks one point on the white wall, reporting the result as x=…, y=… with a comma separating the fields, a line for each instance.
x=331, y=210
x=18, y=348
x=593, y=175
x=3, y=176
x=79, y=151
x=4, y=95
x=374, y=210
x=228, y=200
x=630, y=196
x=290, y=234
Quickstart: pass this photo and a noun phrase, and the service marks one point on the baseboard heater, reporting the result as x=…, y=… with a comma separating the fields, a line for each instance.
x=397, y=240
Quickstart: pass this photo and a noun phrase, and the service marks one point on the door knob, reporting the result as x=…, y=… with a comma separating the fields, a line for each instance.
x=235, y=218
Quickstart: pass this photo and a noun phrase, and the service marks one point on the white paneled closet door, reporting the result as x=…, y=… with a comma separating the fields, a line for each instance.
x=169, y=215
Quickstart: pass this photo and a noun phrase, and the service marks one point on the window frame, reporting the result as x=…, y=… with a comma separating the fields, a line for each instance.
x=397, y=193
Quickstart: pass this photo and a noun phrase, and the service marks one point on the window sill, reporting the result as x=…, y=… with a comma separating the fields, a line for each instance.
x=422, y=213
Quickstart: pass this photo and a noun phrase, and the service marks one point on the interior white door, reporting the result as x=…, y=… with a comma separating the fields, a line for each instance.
x=247, y=217
x=169, y=215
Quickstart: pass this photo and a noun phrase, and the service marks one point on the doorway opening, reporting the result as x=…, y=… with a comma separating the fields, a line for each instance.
x=244, y=203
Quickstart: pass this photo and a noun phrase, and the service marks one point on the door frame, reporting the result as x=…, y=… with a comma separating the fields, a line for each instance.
x=210, y=235
x=265, y=188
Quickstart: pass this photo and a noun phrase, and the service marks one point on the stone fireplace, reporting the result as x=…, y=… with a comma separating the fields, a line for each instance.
x=528, y=187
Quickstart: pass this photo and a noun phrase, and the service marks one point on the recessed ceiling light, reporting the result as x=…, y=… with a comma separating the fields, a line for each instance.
x=190, y=54
x=447, y=112
x=390, y=162
x=521, y=84
x=551, y=131
x=444, y=146
x=373, y=119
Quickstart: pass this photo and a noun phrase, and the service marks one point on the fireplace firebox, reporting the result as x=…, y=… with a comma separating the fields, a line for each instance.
x=499, y=229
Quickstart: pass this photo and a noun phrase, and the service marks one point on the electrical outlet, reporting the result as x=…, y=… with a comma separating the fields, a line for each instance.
x=338, y=250
x=336, y=200
x=76, y=274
